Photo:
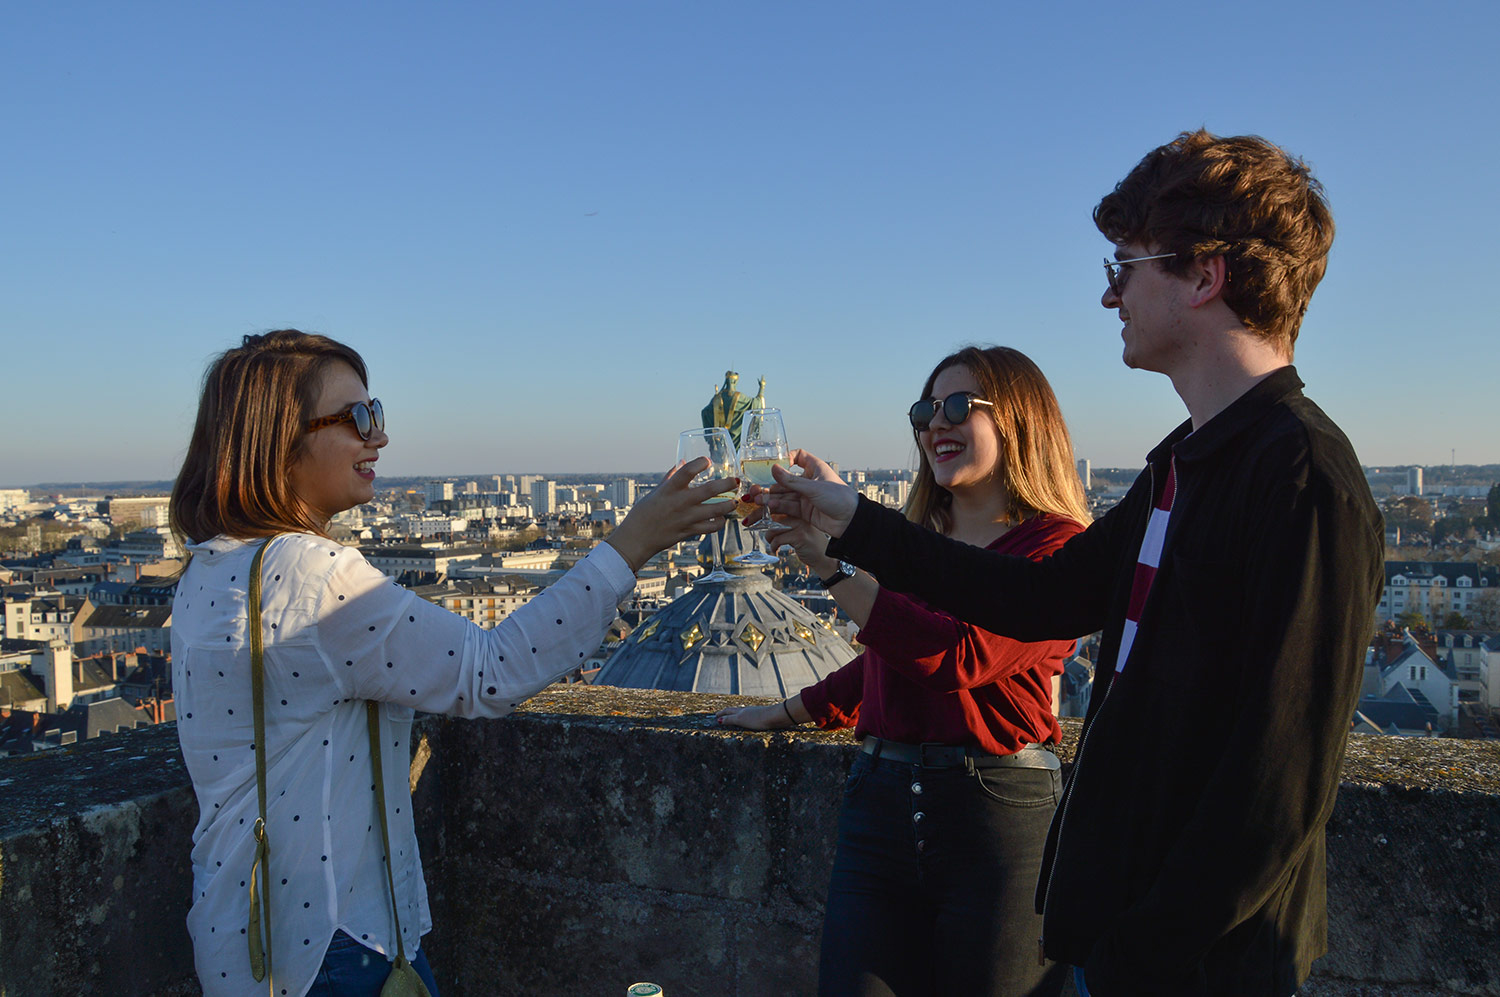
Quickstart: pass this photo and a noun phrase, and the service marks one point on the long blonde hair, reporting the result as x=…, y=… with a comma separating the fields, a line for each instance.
x=1036, y=454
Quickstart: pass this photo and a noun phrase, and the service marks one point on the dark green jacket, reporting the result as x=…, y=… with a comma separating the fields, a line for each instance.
x=1187, y=856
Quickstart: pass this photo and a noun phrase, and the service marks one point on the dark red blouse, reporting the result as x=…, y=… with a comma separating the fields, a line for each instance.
x=926, y=676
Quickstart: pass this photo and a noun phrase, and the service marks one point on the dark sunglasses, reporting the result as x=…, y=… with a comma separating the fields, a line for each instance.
x=956, y=408
x=367, y=419
x=1117, y=275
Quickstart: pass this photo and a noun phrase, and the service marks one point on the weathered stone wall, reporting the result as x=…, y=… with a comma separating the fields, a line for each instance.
x=603, y=836
x=94, y=875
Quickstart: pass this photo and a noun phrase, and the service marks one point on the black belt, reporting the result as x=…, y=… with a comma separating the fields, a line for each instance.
x=946, y=756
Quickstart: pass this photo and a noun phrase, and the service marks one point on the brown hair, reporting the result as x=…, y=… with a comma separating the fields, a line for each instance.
x=1243, y=198
x=256, y=400
x=1037, y=468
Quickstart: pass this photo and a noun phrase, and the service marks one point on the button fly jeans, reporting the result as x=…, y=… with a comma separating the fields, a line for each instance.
x=934, y=883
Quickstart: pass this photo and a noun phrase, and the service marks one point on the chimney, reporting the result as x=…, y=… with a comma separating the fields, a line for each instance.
x=56, y=671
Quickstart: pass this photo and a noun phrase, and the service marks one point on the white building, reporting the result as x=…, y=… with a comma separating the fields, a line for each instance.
x=428, y=525
x=622, y=492
x=1423, y=679
x=145, y=511
x=1433, y=588
x=1489, y=672
x=543, y=497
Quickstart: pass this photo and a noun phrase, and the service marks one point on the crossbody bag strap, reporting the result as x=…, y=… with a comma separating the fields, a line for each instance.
x=259, y=930
x=372, y=715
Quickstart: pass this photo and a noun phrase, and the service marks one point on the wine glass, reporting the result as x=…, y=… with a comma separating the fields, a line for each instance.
x=718, y=446
x=762, y=446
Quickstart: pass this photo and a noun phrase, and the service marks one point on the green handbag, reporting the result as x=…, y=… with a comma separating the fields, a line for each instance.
x=403, y=981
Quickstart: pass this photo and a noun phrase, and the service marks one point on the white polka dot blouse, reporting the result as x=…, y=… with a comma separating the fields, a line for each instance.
x=337, y=632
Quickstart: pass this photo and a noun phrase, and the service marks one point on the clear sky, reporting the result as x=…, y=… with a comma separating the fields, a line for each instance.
x=550, y=227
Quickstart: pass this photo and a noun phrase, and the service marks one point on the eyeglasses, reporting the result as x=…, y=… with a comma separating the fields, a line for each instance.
x=1115, y=273
x=367, y=419
x=956, y=408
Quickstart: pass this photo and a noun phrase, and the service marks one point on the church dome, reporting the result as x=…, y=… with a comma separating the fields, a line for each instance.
x=741, y=636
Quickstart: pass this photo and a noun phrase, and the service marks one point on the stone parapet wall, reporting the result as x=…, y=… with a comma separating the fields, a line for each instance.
x=95, y=880
x=604, y=836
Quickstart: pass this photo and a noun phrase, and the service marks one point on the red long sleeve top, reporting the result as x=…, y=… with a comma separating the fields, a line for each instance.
x=926, y=676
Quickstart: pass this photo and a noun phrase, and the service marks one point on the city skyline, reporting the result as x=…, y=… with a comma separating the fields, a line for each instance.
x=550, y=231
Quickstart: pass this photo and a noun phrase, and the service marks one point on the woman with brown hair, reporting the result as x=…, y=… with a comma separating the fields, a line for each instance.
x=947, y=805
x=287, y=436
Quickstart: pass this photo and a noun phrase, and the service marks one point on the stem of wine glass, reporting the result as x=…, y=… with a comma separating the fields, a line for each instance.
x=718, y=555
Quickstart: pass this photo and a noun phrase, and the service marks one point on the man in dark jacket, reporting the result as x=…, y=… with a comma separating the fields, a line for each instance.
x=1235, y=586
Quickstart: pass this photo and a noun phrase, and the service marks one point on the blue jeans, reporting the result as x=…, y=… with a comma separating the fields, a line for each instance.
x=934, y=882
x=351, y=970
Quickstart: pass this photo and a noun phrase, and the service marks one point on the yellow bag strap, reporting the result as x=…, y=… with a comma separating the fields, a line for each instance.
x=372, y=716
x=403, y=979
x=259, y=931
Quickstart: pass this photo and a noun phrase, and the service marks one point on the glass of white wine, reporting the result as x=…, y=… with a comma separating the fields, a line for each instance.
x=762, y=446
x=718, y=446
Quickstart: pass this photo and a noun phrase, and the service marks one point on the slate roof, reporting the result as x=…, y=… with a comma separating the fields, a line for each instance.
x=129, y=617
x=1478, y=637
x=103, y=717
x=89, y=677
x=1385, y=714
x=1449, y=571
x=109, y=593
x=18, y=687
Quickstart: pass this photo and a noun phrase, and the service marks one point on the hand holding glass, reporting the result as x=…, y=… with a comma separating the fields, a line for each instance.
x=718, y=446
x=762, y=446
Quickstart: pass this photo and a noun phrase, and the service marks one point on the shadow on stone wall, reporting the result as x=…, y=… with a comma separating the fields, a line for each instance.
x=604, y=836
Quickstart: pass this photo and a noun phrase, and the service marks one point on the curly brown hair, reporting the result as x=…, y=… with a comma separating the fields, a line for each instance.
x=1242, y=198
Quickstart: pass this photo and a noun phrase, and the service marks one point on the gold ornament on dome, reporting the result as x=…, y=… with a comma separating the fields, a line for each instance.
x=751, y=635
x=690, y=636
x=828, y=625
x=647, y=631
x=804, y=631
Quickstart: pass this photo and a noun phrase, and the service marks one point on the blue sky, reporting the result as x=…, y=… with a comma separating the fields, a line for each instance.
x=551, y=227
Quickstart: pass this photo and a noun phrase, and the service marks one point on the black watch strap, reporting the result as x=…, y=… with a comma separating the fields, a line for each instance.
x=846, y=570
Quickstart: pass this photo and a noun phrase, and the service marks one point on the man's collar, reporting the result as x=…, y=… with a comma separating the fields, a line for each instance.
x=1244, y=411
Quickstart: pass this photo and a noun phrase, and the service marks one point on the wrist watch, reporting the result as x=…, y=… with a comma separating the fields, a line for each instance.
x=846, y=570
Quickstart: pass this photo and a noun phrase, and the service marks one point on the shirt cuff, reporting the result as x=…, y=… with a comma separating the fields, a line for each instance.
x=612, y=567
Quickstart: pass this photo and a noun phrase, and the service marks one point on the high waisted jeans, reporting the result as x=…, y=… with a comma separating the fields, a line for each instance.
x=934, y=881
